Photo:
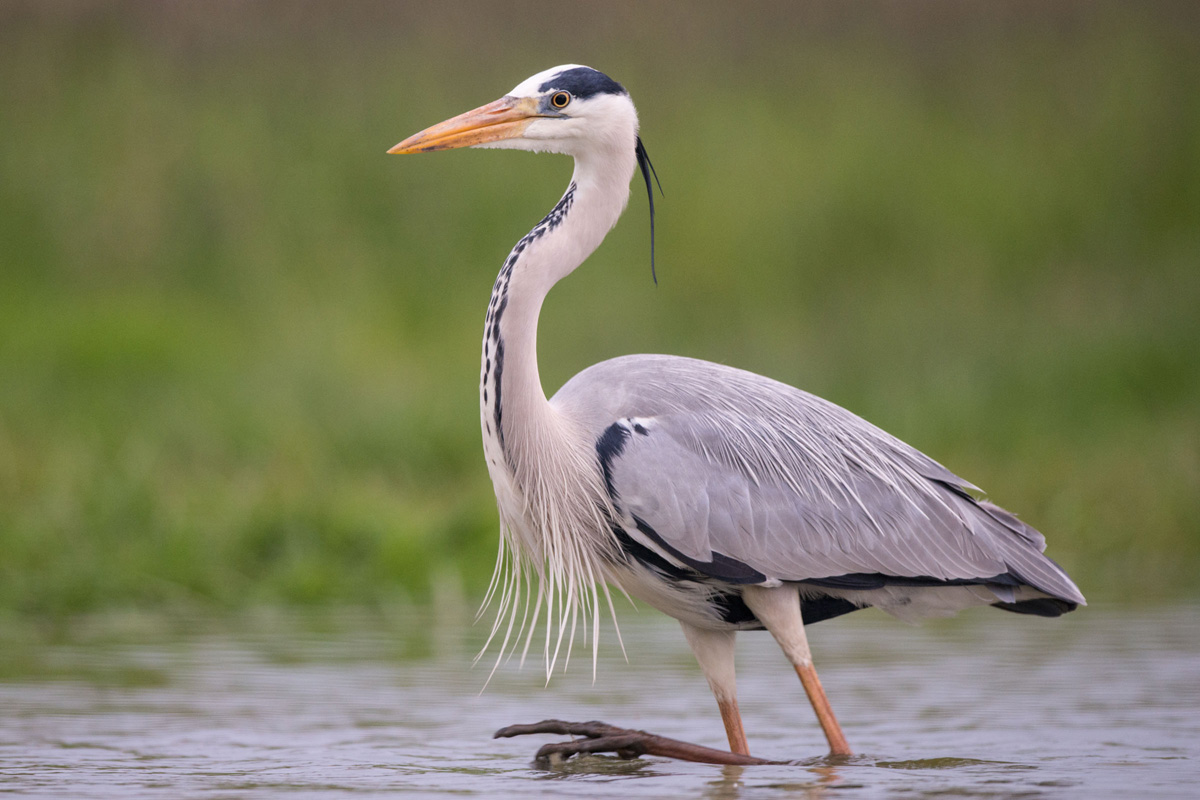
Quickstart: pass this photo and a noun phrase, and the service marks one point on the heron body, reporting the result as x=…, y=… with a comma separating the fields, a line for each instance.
x=723, y=498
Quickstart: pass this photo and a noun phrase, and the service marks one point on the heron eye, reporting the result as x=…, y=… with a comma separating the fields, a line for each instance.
x=560, y=99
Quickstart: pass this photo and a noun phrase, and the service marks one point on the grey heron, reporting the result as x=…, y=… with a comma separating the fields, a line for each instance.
x=723, y=498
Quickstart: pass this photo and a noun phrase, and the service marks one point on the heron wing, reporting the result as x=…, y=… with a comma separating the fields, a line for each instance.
x=747, y=479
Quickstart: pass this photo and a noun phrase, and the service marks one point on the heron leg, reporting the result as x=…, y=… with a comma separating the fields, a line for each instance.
x=778, y=609
x=600, y=737
x=714, y=651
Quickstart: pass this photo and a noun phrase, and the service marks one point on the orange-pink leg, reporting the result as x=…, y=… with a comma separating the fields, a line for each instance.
x=733, y=726
x=714, y=652
x=820, y=704
x=779, y=610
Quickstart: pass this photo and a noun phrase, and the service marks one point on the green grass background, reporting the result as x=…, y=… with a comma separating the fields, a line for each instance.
x=239, y=344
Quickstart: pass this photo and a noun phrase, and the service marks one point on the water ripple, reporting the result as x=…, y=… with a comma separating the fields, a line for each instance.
x=1103, y=703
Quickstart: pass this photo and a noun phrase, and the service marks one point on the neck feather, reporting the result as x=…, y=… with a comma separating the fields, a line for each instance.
x=514, y=408
x=549, y=491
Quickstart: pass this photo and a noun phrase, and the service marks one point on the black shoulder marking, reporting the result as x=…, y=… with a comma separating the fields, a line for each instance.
x=721, y=567
x=583, y=82
x=608, y=447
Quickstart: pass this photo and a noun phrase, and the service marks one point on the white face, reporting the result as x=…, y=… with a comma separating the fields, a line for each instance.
x=569, y=109
x=569, y=120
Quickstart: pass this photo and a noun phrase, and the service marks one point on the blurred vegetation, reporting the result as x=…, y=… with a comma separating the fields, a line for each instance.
x=239, y=345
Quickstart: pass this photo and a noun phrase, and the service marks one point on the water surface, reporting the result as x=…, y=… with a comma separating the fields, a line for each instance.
x=1101, y=703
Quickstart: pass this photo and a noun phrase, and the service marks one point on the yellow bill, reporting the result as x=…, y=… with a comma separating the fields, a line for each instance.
x=505, y=118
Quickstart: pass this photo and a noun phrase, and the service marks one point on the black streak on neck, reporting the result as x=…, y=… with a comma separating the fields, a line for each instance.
x=493, y=341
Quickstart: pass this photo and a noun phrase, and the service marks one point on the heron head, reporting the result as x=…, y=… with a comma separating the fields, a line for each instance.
x=568, y=109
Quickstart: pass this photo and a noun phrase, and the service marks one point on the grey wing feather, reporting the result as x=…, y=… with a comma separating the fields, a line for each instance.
x=716, y=460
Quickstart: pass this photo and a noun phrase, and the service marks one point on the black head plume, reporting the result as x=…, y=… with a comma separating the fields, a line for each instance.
x=643, y=159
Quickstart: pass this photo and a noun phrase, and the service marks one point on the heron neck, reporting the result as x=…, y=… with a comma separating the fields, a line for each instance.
x=515, y=411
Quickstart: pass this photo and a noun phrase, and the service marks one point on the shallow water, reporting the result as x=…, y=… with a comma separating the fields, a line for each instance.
x=1101, y=703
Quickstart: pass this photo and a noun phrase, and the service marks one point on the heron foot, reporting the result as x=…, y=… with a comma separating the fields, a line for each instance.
x=600, y=737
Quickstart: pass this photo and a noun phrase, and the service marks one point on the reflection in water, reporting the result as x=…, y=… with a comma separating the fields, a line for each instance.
x=1099, y=704
x=826, y=776
x=726, y=787
x=808, y=783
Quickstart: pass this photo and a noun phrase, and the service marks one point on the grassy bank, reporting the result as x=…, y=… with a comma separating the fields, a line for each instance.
x=239, y=345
